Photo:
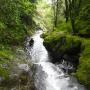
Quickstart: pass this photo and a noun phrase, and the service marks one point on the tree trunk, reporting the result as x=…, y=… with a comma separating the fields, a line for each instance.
x=53, y=6
x=72, y=14
x=56, y=15
x=66, y=10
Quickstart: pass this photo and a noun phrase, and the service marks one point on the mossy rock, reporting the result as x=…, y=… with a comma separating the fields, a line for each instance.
x=61, y=45
x=83, y=71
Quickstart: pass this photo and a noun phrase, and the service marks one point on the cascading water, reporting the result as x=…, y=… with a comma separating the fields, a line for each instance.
x=49, y=76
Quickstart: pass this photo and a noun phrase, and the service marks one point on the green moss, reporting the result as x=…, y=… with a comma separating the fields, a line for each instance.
x=6, y=57
x=83, y=71
x=61, y=40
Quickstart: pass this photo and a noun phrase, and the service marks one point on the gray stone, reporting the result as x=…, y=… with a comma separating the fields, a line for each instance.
x=23, y=67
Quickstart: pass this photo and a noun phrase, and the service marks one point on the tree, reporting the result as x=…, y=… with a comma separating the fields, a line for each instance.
x=72, y=11
x=57, y=8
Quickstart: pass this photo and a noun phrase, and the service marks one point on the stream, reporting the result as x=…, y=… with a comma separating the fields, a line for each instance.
x=48, y=75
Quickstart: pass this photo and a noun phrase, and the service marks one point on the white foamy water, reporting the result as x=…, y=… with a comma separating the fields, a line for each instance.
x=48, y=75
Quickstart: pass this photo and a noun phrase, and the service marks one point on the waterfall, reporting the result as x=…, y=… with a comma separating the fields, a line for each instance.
x=48, y=75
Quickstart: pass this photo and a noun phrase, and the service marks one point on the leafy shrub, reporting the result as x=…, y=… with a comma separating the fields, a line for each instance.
x=15, y=20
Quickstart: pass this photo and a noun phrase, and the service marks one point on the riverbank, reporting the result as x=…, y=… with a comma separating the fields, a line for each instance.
x=15, y=69
x=71, y=48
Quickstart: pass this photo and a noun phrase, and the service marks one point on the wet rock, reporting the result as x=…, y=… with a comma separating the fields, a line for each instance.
x=5, y=66
x=31, y=42
x=14, y=75
x=20, y=52
x=23, y=67
x=1, y=79
x=14, y=88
